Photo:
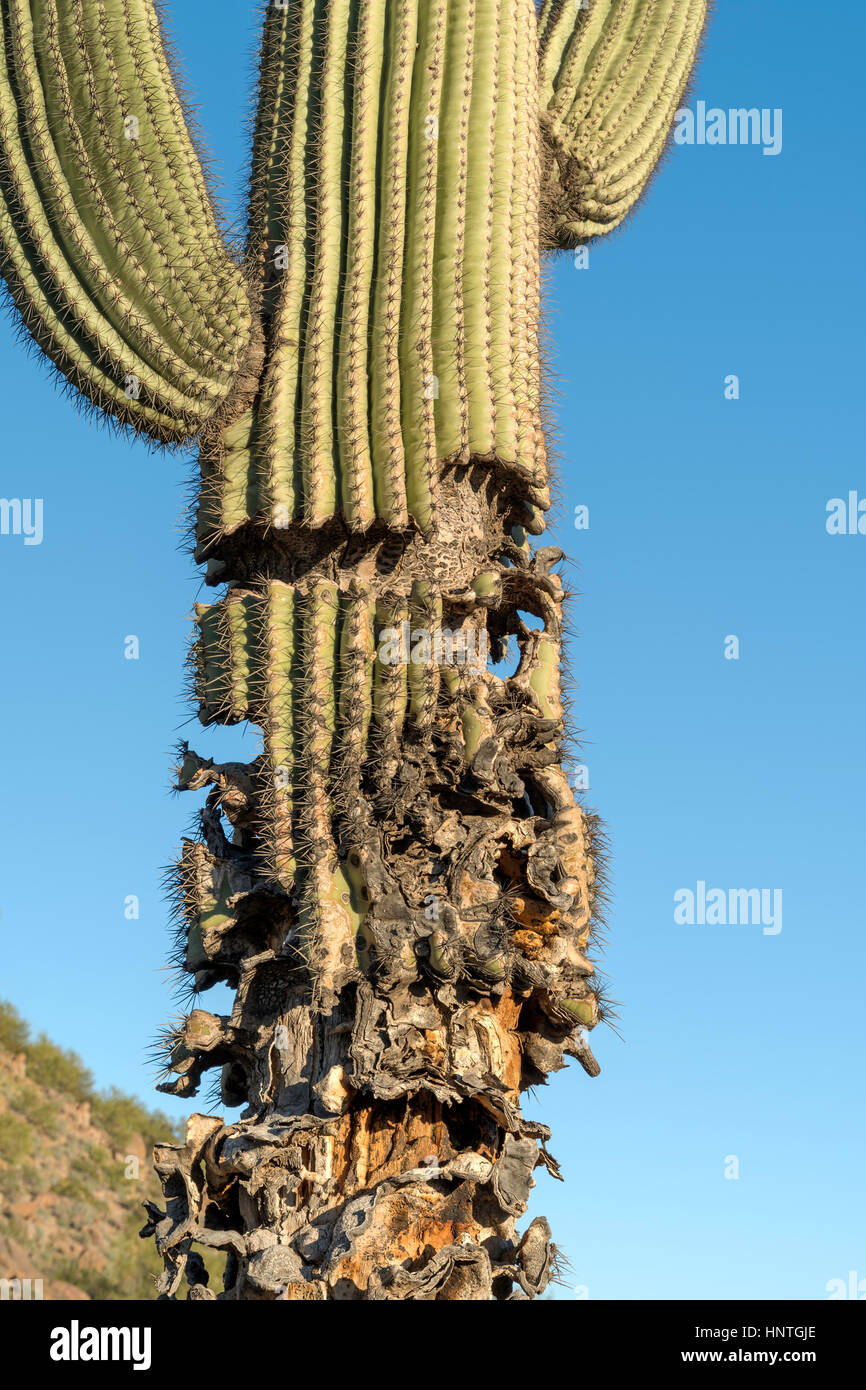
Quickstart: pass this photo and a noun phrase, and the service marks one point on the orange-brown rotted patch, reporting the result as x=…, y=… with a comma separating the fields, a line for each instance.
x=538, y=916
x=503, y=1040
x=304, y=1293
x=512, y=866
x=376, y=1143
x=529, y=942
x=433, y=1048
x=407, y=1226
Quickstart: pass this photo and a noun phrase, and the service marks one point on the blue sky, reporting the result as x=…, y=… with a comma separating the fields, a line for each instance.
x=706, y=520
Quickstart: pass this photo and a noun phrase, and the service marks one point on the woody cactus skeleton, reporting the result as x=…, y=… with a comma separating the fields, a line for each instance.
x=400, y=887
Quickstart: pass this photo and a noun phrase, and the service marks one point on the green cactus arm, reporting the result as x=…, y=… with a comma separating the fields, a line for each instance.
x=612, y=74
x=109, y=244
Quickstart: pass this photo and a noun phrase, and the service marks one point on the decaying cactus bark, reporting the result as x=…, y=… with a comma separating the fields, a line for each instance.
x=401, y=888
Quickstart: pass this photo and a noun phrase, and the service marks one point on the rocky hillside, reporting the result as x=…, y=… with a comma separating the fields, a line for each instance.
x=74, y=1169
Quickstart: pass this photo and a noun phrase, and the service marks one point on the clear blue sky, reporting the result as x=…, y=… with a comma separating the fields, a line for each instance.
x=707, y=519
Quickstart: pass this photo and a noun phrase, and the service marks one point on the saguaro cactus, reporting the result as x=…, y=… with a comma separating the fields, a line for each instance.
x=401, y=887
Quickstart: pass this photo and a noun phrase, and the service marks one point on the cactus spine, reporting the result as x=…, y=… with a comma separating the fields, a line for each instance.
x=400, y=888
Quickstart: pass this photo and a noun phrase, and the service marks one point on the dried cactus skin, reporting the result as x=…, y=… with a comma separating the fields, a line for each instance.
x=109, y=244
x=422, y=945
x=400, y=887
x=612, y=75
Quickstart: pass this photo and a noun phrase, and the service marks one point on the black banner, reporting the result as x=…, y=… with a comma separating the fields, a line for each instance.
x=83, y=1339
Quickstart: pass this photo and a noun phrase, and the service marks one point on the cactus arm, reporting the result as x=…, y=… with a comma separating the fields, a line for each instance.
x=109, y=244
x=612, y=74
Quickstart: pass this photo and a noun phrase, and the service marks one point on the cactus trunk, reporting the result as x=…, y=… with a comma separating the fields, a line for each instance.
x=407, y=894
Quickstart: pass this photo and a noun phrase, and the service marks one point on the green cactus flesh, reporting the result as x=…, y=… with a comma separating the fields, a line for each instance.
x=401, y=329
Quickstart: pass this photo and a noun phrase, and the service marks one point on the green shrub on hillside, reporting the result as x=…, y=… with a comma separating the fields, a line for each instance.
x=45, y=1117
x=57, y=1069
x=14, y=1033
x=12, y=1189
x=93, y=1204
x=73, y=1189
x=122, y=1117
x=16, y=1139
x=129, y=1273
